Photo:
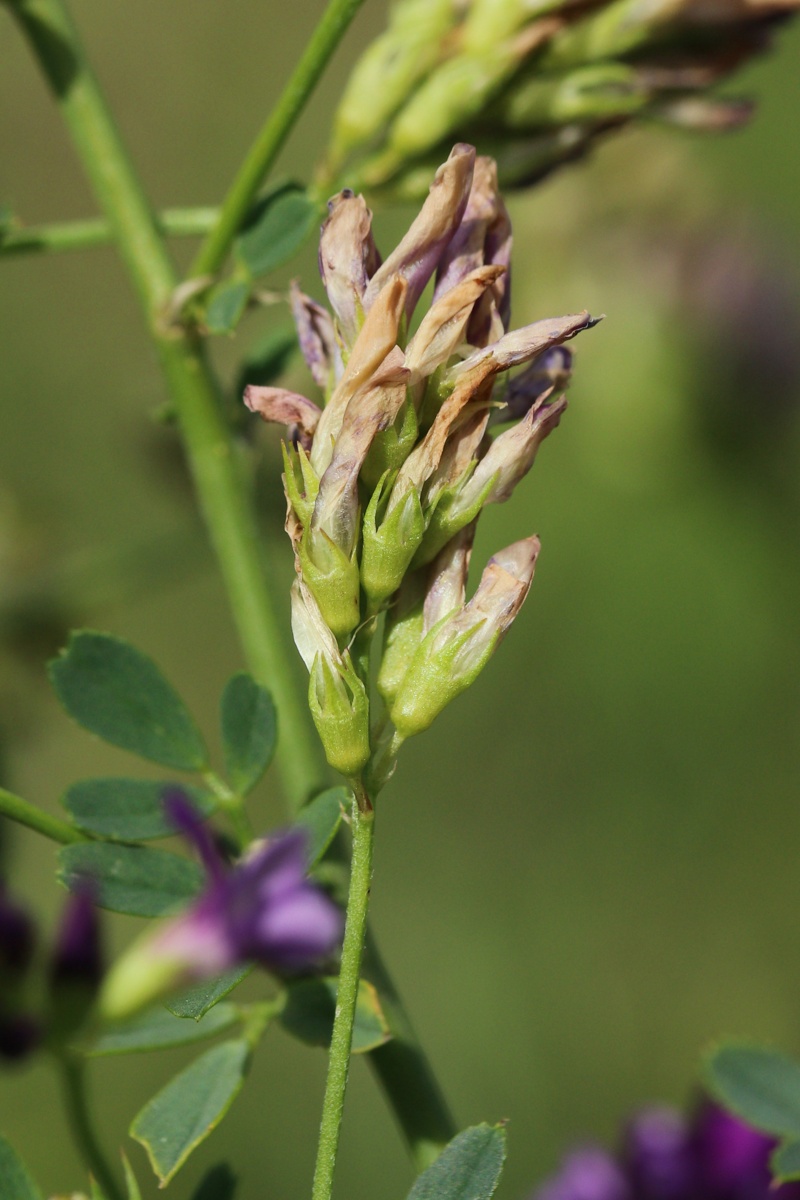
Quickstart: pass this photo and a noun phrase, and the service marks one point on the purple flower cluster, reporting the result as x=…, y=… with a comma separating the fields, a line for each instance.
x=663, y=1156
x=74, y=966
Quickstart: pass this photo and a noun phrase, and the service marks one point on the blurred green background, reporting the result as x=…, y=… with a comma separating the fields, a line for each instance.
x=588, y=868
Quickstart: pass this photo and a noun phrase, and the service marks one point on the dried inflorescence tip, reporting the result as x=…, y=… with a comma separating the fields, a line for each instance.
x=385, y=482
x=538, y=84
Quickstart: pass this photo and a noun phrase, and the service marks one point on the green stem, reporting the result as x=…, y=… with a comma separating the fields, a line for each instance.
x=363, y=825
x=28, y=814
x=270, y=140
x=73, y=1072
x=97, y=231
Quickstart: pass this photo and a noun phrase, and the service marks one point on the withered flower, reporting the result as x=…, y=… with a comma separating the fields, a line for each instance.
x=385, y=482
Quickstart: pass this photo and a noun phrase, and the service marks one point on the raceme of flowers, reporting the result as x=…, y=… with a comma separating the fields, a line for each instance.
x=537, y=84
x=385, y=483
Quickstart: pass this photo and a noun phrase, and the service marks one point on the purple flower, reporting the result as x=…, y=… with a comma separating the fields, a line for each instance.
x=17, y=936
x=20, y=1034
x=715, y=1156
x=263, y=909
x=588, y=1173
x=77, y=954
x=658, y=1155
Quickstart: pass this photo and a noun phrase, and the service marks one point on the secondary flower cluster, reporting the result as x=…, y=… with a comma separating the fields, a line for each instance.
x=263, y=909
x=384, y=484
x=715, y=1156
x=537, y=83
x=73, y=971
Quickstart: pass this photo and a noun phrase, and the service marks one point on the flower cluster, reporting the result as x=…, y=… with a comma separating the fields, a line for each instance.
x=73, y=968
x=715, y=1156
x=263, y=909
x=537, y=83
x=384, y=484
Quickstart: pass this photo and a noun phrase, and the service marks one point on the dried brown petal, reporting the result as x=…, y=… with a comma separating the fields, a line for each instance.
x=419, y=252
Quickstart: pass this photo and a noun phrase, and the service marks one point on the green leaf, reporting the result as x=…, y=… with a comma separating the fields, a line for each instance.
x=158, y=1028
x=95, y=1191
x=760, y=1086
x=322, y=818
x=249, y=725
x=218, y=1184
x=267, y=359
x=468, y=1168
x=128, y=810
x=785, y=1162
x=134, y=1191
x=278, y=226
x=118, y=693
x=131, y=879
x=226, y=304
x=196, y=1001
x=17, y=1183
x=183, y=1114
x=311, y=1003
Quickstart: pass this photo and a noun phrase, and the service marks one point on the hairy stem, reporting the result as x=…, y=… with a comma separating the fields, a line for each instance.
x=270, y=140
x=97, y=231
x=24, y=813
x=73, y=1071
x=363, y=825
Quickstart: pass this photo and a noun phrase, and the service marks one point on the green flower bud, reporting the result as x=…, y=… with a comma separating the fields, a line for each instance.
x=389, y=70
x=333, y=578
x=390, y=542
x=455, y=651
x=597, y=92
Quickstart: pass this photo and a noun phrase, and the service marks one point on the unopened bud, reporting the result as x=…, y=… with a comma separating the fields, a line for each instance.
x=390, y=541
x=17, y=938
x=455, y=651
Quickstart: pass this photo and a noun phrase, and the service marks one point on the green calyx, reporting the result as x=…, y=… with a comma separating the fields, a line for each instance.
x=439, y=671
x=391, y=447
x=448, y=515
x=389, y=542
x=301, y=482
x=340, y=708
x=402, y=637
x=334, y=580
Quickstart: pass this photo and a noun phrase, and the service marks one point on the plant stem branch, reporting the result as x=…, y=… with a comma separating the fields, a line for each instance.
x=24, y=813
x=73, y=1072
x=270, y=140
x=363, y=826
x=97, y=231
